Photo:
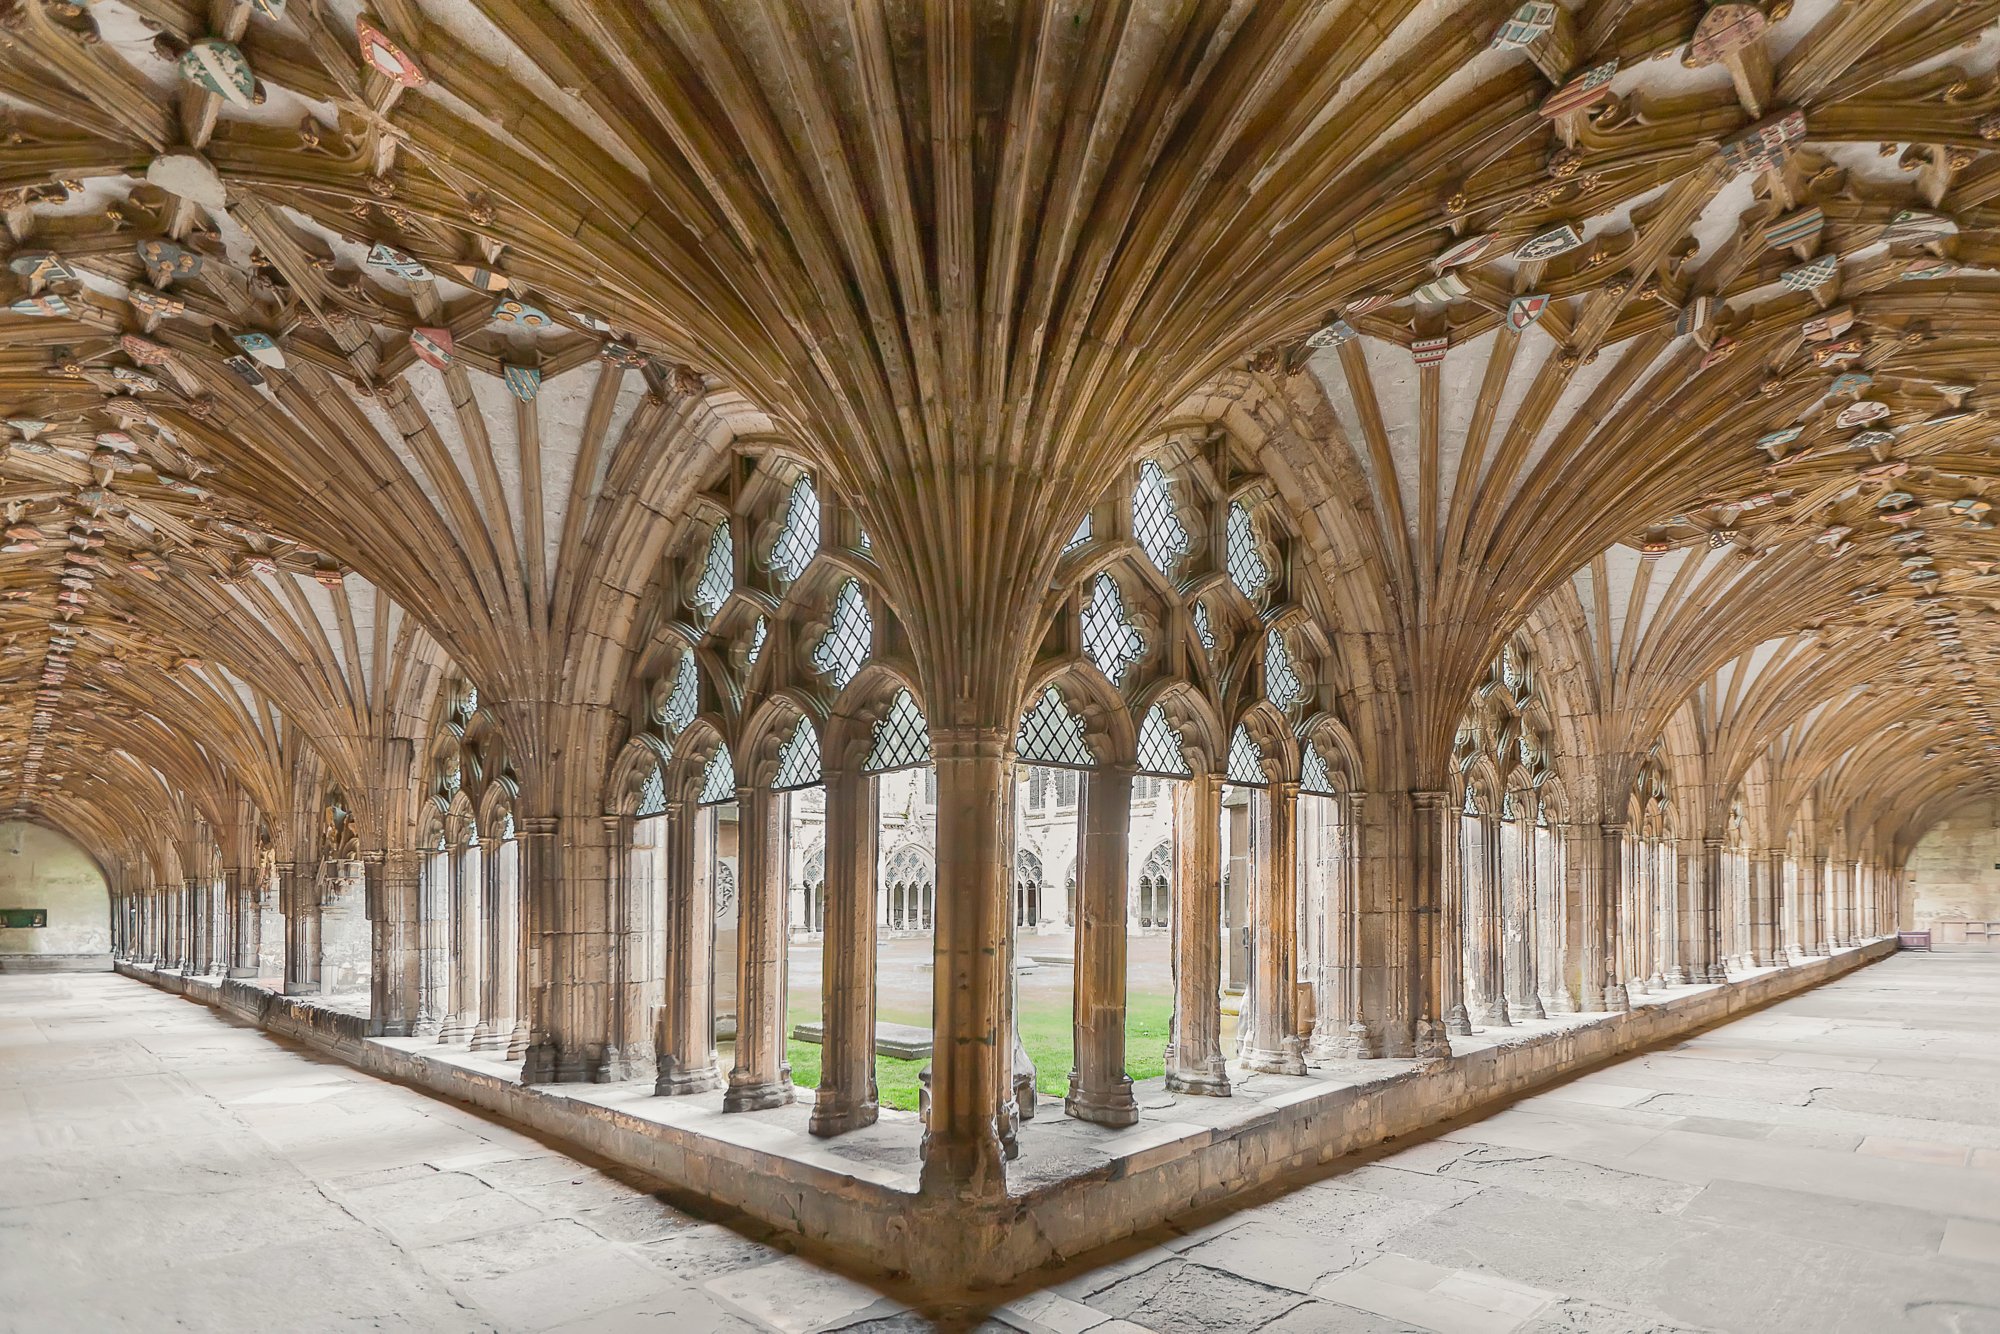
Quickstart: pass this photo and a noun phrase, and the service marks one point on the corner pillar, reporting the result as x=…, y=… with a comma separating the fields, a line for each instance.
x=1099, y=1089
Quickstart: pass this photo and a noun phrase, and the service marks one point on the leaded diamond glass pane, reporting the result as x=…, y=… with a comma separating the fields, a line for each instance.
x=864, y=543
x=1202, y=629
x=652, y=794
x=1154, y=522
x=1108, y=637
x=1247, y=569
x=681, y=699
x=1313, y=775
x=798, y=541
x=844, y=648
x=1051, y=734
x=718, y=572
x=758, y=632
x=1281, y=680
x=718, y=781
x=798, y=759
x=1079, y=537
x=902, y=738
x=1160, y=746
x=1246, y=759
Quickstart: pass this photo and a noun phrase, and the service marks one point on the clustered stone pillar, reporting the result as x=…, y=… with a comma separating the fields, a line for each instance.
x=1610, y=860
x=848, y=1097
x=761, y=1078
x=971, y=1095
x=244, y=921
x=1708, y=898
x=1099, y=1088
x=1438, y=976
x=1194, y=1053
x=1486, y=953
x=301, y=901
x=1271, y=1010
x=1766, y=883
x=686, y=1037
x=392, y=884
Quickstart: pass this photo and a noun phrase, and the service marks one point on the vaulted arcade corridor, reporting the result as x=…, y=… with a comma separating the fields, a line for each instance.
x=1830, y=1165
x=965, y=627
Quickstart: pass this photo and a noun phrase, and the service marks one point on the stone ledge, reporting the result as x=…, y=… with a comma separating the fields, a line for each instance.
x=1131, y=1179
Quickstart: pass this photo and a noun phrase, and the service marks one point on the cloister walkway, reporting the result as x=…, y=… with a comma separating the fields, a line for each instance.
x=1831, y=1163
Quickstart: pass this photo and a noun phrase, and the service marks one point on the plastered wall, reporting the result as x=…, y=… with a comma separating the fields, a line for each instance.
x=41, y=869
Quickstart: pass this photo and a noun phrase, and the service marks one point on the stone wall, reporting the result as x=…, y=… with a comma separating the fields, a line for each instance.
x=41, y=869
x=1953, y=888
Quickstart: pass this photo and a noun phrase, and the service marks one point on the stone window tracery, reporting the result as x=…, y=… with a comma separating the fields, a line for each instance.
x=1282, y=685
x=798, y=540
x=682, y=696
x=1160, y=746
x=902, y=739
x=718, y=780
x=1155, y=522
x=1247, y=569
x=1246, y=759
x=1109, y=636
x=718, y=572
x=652, y=798
x=1051, y=734
x=1313, y=774
x=840, y=653
x=798, y=759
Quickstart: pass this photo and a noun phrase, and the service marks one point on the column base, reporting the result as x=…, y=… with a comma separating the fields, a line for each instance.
x=836, y=1116
x=546, y=1062
x=1456, y=1023
x=1114, y=1106
x=675, y=1080
x=1616, y=1001
x=759, y=1097
x=301, y=988
x=1527, y=1008
x=1493, y=1014
x=971, y=1170
x=1210, y=1083
x=1433, y=1044
x=492, y=1036
x=1558, y=1003
x=1677, y=976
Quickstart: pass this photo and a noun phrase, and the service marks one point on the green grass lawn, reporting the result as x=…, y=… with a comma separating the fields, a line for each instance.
x=1046, y=1032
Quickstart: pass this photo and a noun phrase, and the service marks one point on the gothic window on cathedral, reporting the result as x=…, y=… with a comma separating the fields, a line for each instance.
x=1155, y=522
x=798, y=540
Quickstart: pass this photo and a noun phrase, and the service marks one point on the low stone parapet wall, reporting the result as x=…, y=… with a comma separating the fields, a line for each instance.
x=1144, y=1176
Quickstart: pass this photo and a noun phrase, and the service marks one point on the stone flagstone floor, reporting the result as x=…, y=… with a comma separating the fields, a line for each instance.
x=1829, y=1164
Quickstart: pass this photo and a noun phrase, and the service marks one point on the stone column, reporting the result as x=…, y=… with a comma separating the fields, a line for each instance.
x=636, y=948
x=1485, y=891
x=1609, y=859
x=391, y=885
x=971, y=1103
x=1272, y=1008
x=1858, y=925
x=686, y=1038
x=1766, y=883
x=459, y=947
x=1517, y=886
x=498, y=947
x=1815, y=893
x=848, y=1097
x=1194, y=1051
x=761, y=1077
x=1439, y=978
x=301, y=904
x=1099, y=1088
x=566, y=885
x=1707, y=898
x=1455, y=864
x=245, y=922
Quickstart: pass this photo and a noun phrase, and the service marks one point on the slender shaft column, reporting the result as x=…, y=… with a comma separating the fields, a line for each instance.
x=1099, y=1088
x=686, y=1039
x=1438, y=976
x=558, y=1049
x=1518, y=886
x=971, y=1102
x=1680, y=948
x=244, y=921
x=1815, y=899
x=1612, y=913
x=1488, y=953
x=848, y=1098
x=761, y=1077
x=1848, y=877
x=1194, y=1053
x=1766, y=883
x=1708, y=961
x=636, y=948
x=1273, y=1012
x=301, y=931
x=1457, y=862
x=391, y=885
x=496, y=950
x=459, y=946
